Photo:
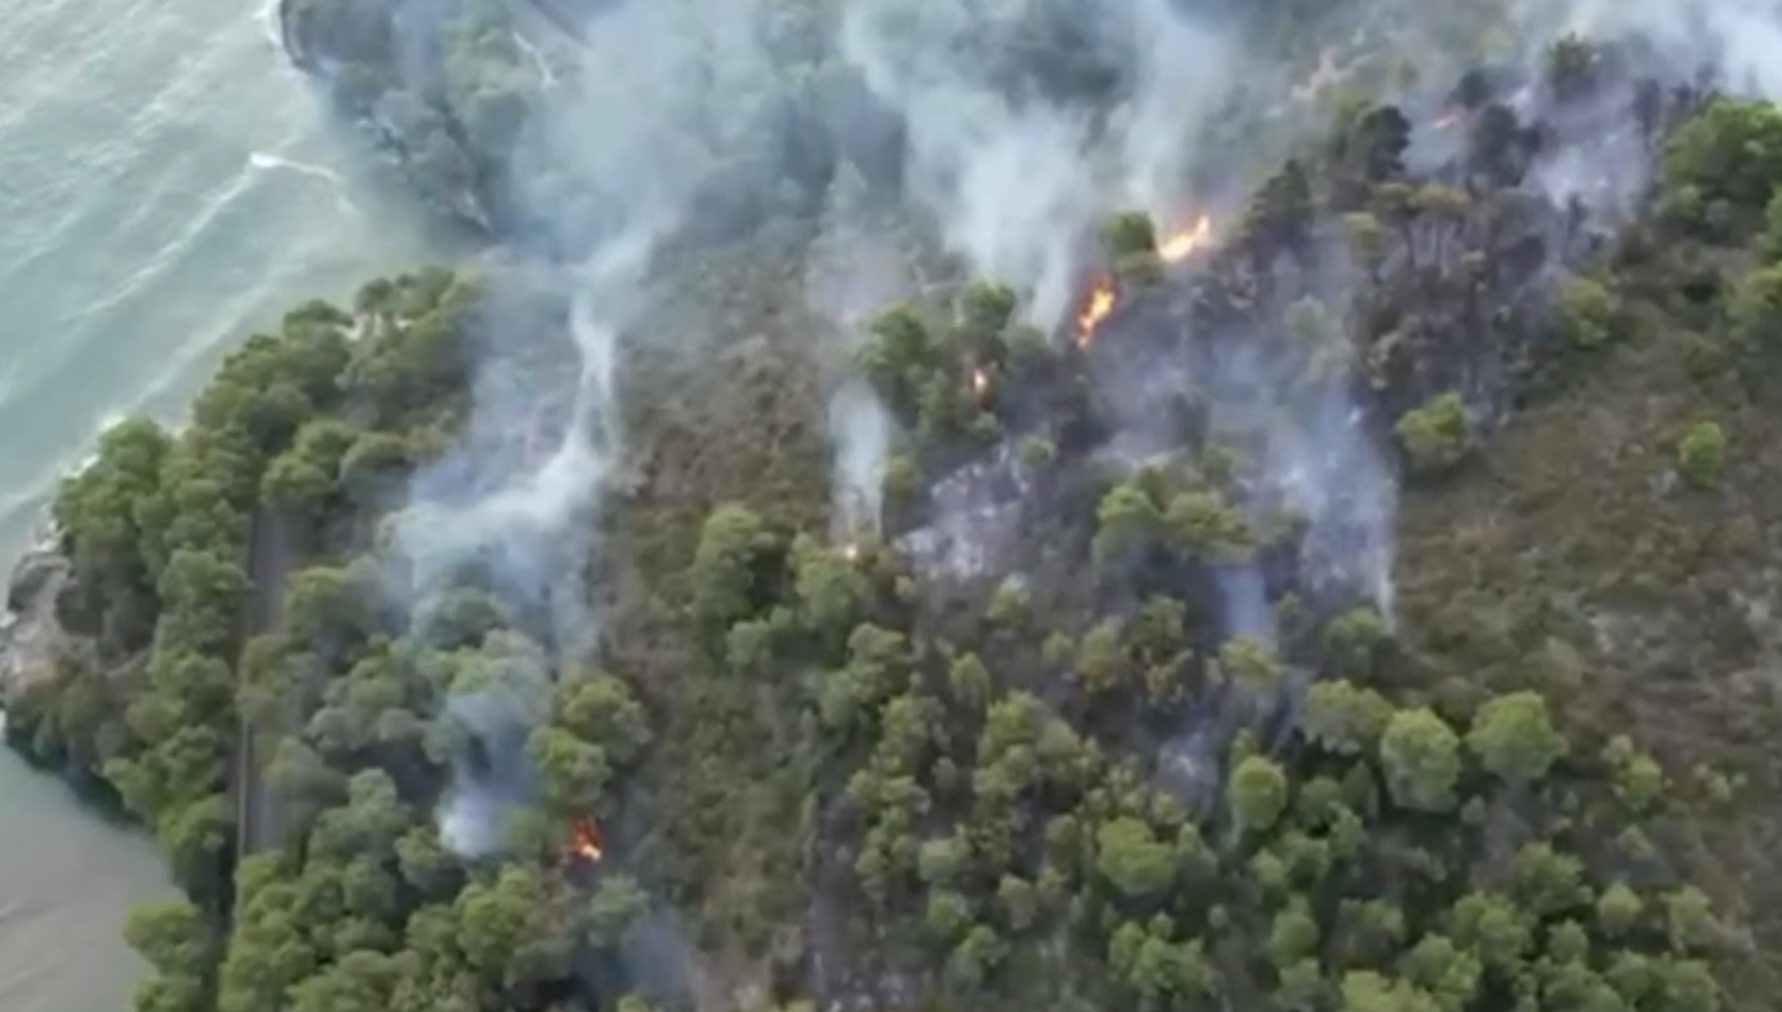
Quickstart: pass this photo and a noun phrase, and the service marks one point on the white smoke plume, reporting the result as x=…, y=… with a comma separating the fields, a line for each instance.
x=1018, y=170
x=860, y=432
x=532, y=531
x=1016, y=181
x=1184, y=70
x=1678, y=39
x=492, y=776
x=1739, y=38
x=474, y=813
x=611, y=166
x=1599, y=162
x=854, y=271
x=664, y=131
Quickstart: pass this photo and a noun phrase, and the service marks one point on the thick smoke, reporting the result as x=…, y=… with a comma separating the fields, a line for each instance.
x=860, y=432
x=1019, y=171
x=1027, y=123
x=1733, y=42
x=1315, y=457
x=1019, y=125
x=491, y=777
x=474, y=508
x=1598, y=163
x=1603, y=162
x=1014, y=167
x=1183, y=70
x=677, y=128
x=1738, y=38
x=612, y=165
x=855, y=269
x=665, y=97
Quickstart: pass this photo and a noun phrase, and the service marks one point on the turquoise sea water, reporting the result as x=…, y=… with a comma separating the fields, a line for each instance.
x=167, y=185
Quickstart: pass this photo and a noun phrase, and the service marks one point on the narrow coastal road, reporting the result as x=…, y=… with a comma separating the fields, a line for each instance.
x=270, y=553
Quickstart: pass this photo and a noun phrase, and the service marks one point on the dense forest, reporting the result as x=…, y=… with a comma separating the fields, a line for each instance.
x=1356, y=602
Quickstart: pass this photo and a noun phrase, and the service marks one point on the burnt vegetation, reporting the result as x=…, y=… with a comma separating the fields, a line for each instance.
x=1369, y=611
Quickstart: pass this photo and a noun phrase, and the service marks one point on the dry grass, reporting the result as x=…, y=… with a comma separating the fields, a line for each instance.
x=741, y=423
x=1574, y=557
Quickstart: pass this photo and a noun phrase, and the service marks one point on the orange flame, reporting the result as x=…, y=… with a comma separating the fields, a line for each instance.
x=1099, y=305
x=584, y=842
x=1179, y=245
x=979, y=382
x=1174, y=248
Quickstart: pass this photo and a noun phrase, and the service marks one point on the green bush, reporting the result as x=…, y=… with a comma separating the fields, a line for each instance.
x=1586, y=313
x=1701, y=454
x=1436, y=436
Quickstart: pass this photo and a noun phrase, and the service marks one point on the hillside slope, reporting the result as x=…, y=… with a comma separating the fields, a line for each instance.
x=1360, y=603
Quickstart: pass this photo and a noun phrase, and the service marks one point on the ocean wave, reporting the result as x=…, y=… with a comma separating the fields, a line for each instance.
x=209, y=212
x=163, y=199
x=268, y=161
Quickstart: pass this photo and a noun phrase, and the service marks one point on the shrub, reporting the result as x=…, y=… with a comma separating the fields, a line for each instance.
x=1701, y=454
x=1435, y=436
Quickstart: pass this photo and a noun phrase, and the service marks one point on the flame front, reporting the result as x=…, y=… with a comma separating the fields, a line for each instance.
x=584, y=841
x=1099, y=305
x=1174, y=248
x=1181, y=244
x=979, y=382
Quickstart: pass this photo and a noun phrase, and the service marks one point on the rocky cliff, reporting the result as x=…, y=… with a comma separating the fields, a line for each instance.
x=29, y=631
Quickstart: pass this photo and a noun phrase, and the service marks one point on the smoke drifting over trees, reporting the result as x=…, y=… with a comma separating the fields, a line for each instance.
x=977, y=504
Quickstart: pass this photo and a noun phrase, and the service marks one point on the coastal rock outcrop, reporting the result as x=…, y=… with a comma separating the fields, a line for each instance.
x=29, y=630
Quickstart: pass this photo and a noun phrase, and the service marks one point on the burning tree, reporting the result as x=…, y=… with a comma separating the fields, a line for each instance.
x=1136, y=257
x=586, y=844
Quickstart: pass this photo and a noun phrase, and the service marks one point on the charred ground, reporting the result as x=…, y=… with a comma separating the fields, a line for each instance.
x=1109, y=709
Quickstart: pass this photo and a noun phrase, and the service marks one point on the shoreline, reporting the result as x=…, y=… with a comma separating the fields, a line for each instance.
x=29, y=633
x=467, y=208
x=298, y=59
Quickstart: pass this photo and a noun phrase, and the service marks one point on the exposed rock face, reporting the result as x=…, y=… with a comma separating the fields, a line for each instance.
x=29, y=631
